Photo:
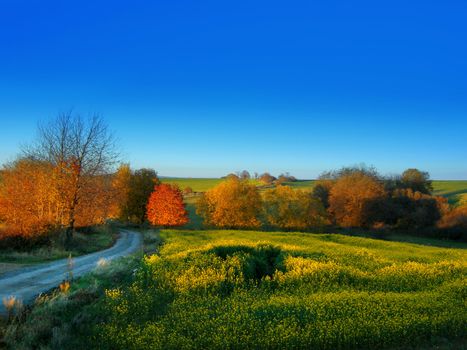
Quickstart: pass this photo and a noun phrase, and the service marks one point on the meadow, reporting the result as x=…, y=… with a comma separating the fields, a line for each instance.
x=455, y=190
x=196, y=184
x=246, y=289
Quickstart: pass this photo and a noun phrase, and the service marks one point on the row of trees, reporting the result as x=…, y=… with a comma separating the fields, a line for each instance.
x=67, y=179
x=349, y=197
x=239, y=204
x=67, y=166
x=360, y=197
x=265, y=178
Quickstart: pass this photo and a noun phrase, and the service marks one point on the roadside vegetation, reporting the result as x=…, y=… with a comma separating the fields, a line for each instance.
x=85, y=241
x=65, y=317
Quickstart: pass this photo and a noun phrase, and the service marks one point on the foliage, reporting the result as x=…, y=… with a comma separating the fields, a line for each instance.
x=121, y=183
x=79, y=150
x=267, y=178
x=292, y=209
x=165, y=206
x=286, y=177
x=231, y=204
x=31, y=202
x=349, y=196
x=244, y=175
x=140, y=186
x=417, y=181
x=361, y=169
x=49, y=246
x=321, y=191
x=232, y=289
x=454, y=223
x=406, y=209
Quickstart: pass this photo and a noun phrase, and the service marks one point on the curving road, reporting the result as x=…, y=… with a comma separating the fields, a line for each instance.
x=28, y=282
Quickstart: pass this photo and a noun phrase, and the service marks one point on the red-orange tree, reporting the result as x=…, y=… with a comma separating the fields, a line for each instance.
x=165, y=206
x=349, y=197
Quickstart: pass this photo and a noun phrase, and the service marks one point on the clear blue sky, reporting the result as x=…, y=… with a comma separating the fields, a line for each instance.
x=202, y=88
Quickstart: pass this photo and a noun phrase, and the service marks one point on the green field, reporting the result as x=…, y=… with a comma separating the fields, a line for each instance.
x=455, y=191
x=196, y=184
x=245, y=289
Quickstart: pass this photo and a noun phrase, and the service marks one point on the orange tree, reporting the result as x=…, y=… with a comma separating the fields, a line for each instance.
x=287, y=208
x=349, y=198
x=231, y=204
x=165, y=206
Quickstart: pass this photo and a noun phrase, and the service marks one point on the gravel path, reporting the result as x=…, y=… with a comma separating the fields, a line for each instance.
x=28, y=282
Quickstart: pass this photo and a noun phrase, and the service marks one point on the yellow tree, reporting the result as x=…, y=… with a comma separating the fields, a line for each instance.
x=231, y=204
x=287, y=208
x=121, y=184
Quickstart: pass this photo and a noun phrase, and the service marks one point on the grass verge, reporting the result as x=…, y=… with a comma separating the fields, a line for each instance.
x=84, y=242
x=62, y=318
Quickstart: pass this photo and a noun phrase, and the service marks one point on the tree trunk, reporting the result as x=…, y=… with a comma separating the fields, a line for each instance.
x=69, y=235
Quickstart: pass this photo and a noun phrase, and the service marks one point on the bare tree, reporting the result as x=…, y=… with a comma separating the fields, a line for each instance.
x=79, y=149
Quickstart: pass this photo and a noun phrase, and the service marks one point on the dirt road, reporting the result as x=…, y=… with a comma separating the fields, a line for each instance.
x=28, y=282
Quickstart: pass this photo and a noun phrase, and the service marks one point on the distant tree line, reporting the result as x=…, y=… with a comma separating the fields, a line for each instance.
x=265, y=178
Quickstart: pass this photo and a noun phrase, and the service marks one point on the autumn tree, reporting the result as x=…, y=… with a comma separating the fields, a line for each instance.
x=142, y=182
x=455, y=221
x=286, y=177
x=231, y=204
x=321, y=190
x=165, y=206
x=244, y=175
x=28, y=199
x=349, y=196
x=267, y=178
x=121, y=184
x=406, y=209
x=287, y=208
x=78, y=149
x=417, y=181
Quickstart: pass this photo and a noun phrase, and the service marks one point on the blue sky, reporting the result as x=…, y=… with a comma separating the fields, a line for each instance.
x=202, y=88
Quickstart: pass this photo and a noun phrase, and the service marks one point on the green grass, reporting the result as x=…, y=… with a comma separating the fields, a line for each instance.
x=61, y=320
x=100, y=237
x=246, y=289
x=258, y=290
x=455, y=191
x=197, y=184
